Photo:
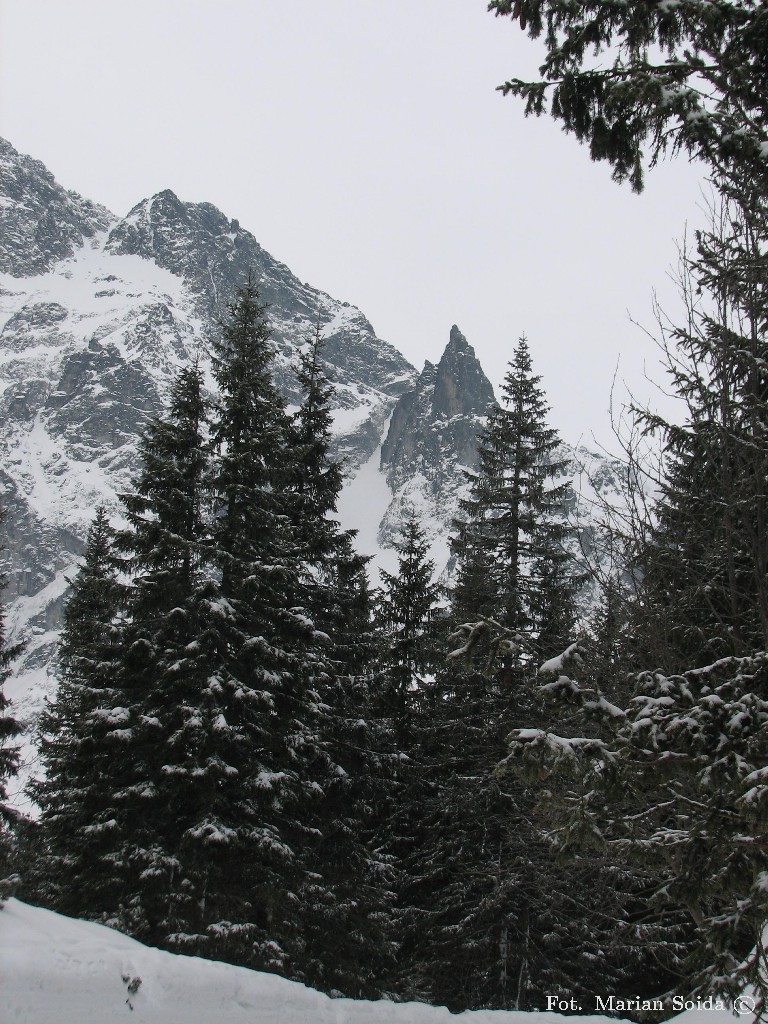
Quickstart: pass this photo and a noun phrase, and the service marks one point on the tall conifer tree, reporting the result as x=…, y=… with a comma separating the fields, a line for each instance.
x=344, y=895
x=317, y=478
x=9, y=730
x=336, y=582
x=269, y=722
x=670, y=780
x=704, y=567
x=87, y=815
x=646, y=79
x=170, y=659
x=492, y=921
x=406, y=619
x=509, y=540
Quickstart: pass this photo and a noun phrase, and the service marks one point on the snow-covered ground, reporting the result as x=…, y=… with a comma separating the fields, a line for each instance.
x=56, y=970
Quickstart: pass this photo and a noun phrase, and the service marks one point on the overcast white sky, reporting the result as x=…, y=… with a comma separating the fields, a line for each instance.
x=363, y=143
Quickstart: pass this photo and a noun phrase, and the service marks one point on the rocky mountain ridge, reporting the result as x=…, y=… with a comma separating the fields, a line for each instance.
x=40, y=222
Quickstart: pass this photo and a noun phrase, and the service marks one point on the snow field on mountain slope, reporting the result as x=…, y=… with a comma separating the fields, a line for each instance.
x=362, y=505
x=103, y=295
x=84, y=282
x=56, y=970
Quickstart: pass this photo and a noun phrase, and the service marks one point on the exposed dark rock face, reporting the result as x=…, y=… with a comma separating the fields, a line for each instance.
x=461, y=387
x=434, y=427
x=85, y=415
x=432, y=438
x=40, y=222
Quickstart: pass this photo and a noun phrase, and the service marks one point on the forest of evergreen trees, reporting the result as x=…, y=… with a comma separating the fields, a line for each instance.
x=475, y=798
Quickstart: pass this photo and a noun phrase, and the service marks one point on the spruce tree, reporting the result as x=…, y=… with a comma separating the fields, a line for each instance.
x=704, y=564
x=406, y=620
x=318, y=477
x=670, y=784
x=409, y=656
x=671, y=778
x=344, y=896
x=9, y=753
x=170, y=660
x=553, y=603
x=269, y=713
x=631, y=79
x=509, y=541
x=702, y=626
x=492, y=920
x=241, y=790
x=86, y=809
x=335, y=584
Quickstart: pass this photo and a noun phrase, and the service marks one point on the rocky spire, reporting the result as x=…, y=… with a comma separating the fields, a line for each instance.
x=434, y=426
x=461, y=387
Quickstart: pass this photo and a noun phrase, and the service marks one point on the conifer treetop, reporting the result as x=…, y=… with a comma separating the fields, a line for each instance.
x=320, y=478
x=509, y=538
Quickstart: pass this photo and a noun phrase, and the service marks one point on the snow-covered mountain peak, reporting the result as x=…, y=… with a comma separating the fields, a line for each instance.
x=40, y=222
x=173, y=233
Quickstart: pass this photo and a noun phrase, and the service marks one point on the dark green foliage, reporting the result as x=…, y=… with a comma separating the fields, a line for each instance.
x=347, y=614
x=406, y=619
x=669, y=777
x=491, y=919
x=9, y=726
x=211, y=766
x=609, y=641
x=679, y=760
x=169, y=659
x=317, y=476
x=625, y=76
x=265, y=734
x=705, y=564
x=553, y=604
x=86, y=812
x=250, y=434
x=163, y=772
x=345, y=893
x=335, y=582
x=9, y=730
x=671, y=784
x=512, y=564
x=410, y=652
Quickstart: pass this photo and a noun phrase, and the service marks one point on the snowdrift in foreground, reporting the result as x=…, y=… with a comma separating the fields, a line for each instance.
x=56, y=970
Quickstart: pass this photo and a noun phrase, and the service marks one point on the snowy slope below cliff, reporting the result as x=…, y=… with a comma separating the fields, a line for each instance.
x=56, y=970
